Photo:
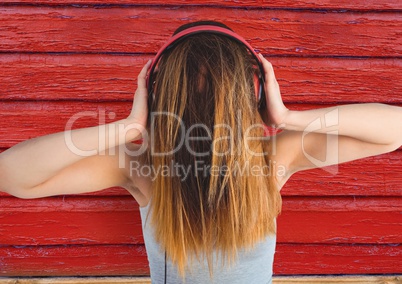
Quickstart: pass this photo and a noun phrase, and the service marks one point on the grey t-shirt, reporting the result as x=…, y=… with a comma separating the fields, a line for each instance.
x=251, y=267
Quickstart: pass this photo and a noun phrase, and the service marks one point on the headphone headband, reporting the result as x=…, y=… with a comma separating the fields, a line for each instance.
x=205, y=28
x=196, y=30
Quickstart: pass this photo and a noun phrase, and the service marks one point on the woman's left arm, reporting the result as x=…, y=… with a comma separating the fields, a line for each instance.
x=372, y=123
x=327, y=136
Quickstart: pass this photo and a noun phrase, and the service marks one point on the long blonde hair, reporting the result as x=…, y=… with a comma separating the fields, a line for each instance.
x=227, y=201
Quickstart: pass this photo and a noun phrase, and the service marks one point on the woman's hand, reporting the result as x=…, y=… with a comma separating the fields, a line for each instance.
x=139, y=110
x=275, y=113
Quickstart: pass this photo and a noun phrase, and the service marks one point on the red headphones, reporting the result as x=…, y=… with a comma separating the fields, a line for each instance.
x=215, y=29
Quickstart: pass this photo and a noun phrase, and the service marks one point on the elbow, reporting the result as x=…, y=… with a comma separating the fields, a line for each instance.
x=12, y=188
x=15, y=191
x=394, y=145
x=10, y=185
x=397, y=144
x=19, y=193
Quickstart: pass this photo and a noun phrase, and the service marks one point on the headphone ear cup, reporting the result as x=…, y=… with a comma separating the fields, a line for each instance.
x=151, y=85
x=257, y=86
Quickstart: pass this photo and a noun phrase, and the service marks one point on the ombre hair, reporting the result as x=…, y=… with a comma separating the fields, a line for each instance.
x=205, y=114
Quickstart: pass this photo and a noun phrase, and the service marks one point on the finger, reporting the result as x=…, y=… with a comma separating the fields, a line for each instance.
x=268, y=70
x=142, y=77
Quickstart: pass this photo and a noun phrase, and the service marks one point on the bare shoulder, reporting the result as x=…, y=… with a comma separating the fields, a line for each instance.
x=282, y=153
x=295, y=151
x=291, y=150
x=138, y=173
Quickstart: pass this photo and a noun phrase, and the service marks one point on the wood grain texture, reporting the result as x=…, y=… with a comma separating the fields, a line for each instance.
x=101, y=220
x=22, y=120
x=352, y=279
x=60, y=58
x=357, y=279
x=381, y=175
x=73, y=260
x=131, y=260
x=66, y=220
x=337, y=259
x=380, y=5
x=375, y=176
x=113, y=78
x=276, y=32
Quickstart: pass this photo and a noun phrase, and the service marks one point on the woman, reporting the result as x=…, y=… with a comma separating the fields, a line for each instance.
x=209, y=202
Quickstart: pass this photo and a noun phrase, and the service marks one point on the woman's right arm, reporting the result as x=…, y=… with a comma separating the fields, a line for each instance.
x=55, y=163
x=28, y=169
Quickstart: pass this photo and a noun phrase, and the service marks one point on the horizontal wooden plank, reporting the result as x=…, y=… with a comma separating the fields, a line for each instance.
x=70, y=221
x=354, y=279
x=80, y=280
x=92, y=221
x=73, y=260
x=131, y=260
x=23, y=120
x=337, y=259
x=380, y=175
x=374, y=176
x=293, y=32
x=113, y=78
x=358, y=279
x=380, y=5
x=75, y=77
x=319, y=223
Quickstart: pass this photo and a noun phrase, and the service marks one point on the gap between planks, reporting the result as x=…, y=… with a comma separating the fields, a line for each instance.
x=363, y=279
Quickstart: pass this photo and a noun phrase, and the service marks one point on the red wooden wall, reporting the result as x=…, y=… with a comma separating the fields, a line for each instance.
x=58, y=58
